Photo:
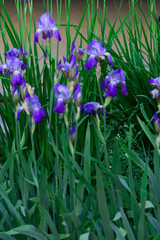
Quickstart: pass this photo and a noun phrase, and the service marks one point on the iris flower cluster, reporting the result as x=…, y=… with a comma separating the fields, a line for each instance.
x=15, y=68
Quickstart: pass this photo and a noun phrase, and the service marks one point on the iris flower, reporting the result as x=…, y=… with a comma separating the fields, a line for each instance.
x=13, y=65
x=16, y=52
x=155, y=82
x=114, y=77
x=34, y=107
x=69, y=69
x=97, y=53
x=92, y=108
x=62, y=96
x=79, y=52
x=47, y=26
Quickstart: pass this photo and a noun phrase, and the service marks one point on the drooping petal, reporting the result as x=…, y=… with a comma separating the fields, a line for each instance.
x=112, y=90
x=109, y=58
x=124, y=88
x=56, y=34
x=36, y=36
x=105, y=83
x=17, y=78
x=59, y=106
x=37, y=114
x=91, y=62
x=19, y=112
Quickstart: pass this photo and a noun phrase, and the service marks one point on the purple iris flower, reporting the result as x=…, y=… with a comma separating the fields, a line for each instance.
x=97, y=53
x=77, y=94
x=34, y=107
x=13, y=65
x=62, y=96
x=114, y=77
x=155, y=82
x=69, y=69
x=16, y=52
x=92, y=108
x=47, y=26
x=79, y=52
x=159, y=19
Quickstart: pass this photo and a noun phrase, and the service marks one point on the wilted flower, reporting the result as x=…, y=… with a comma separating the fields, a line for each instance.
x=62, y=96
x=77, y=94
x=13, y=65
x=47, y=26
x=97, y=54
x=114, y=77
x=69, y=69
x=92, y=108
x=79, y=52
x=32, y=106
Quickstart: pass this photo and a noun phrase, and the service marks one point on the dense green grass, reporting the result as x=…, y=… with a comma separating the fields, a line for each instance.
x=106, y=185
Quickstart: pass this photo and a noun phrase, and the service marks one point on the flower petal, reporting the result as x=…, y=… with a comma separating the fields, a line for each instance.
x=19, y=112
x=112, y=90
x=91, y=62
x=124, y=88
x=56, y=34
x=109, y=58
x=105, y=83
x=59, y=106
x=17, y=78
x=36, y=36
x=37, y=115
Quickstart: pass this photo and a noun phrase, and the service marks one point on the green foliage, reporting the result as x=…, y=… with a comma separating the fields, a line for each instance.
x=106, y=184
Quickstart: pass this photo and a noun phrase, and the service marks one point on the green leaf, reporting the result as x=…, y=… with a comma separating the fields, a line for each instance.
x=88, y=236
x=103, y=207
x=27, y=230
x=127, y=225
x=117, y=216
x=147, y=132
